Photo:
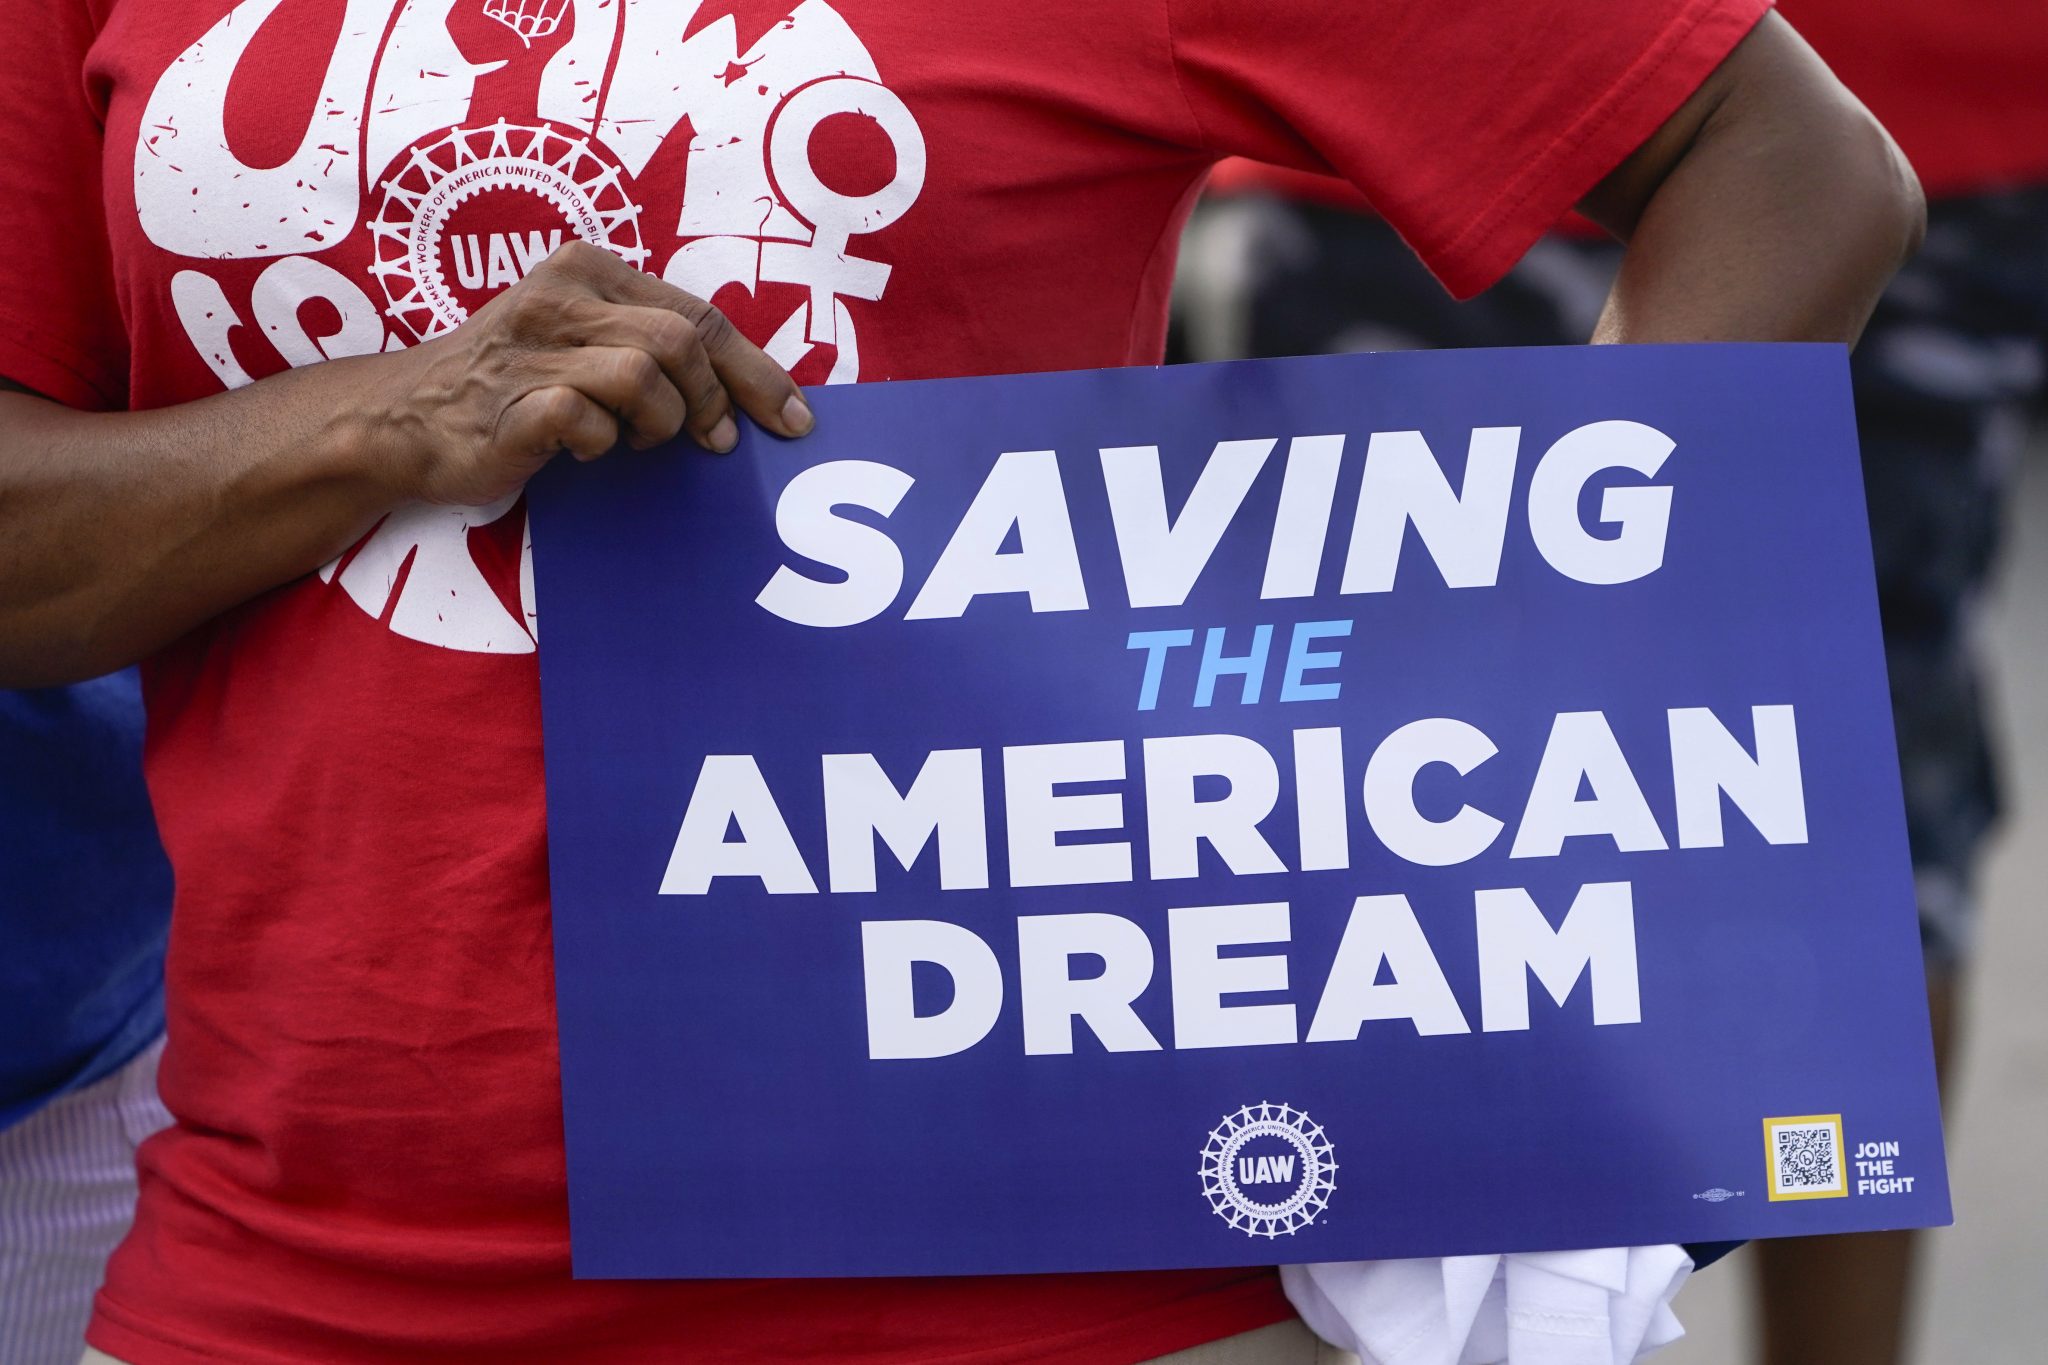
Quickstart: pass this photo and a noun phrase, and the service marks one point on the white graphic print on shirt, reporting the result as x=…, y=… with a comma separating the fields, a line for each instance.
x=456, y=207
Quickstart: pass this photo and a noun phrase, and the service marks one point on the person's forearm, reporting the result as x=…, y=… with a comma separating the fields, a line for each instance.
x=121, y=531
x=1777, y=213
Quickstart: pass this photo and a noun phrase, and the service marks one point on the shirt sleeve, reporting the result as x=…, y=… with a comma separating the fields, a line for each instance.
x=1471, y=125
x=60, y=324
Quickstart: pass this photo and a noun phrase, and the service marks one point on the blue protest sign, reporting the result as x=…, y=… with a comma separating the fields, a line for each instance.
x=1366, y=806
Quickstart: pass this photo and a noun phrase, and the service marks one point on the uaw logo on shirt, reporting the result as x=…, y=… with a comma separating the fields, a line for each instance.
x=434, y=273
x=1268, y=1170
x=452, y=144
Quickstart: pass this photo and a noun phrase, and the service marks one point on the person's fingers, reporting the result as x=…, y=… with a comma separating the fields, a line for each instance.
x=558, y=417
x=583, y=262
x=674, y=342
x=759, y=385
x=625, y=379
x=756, y=383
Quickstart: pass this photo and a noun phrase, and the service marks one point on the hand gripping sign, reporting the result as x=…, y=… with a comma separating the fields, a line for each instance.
x=1370, y=806
x=453, y=144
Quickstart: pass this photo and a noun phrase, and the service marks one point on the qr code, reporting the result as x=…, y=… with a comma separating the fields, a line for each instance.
x=1806, y=1157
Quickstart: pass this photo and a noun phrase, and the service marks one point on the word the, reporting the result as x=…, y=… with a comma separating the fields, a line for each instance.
x=1249, y=668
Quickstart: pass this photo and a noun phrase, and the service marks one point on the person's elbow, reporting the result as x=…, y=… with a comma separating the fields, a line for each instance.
x=1911, y=204
x=1890, y=204
x=1827, y=170
x=1821, y=168
x=1771, y=206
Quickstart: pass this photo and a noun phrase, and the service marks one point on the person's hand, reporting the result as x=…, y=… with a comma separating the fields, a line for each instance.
x=582, y=353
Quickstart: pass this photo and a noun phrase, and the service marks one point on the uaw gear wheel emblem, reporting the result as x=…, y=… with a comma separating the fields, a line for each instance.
x=1268, y=1170
x=544, y=180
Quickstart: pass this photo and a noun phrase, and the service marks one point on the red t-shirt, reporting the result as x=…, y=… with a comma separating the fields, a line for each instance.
x=1962, y=85
x=367, y=1164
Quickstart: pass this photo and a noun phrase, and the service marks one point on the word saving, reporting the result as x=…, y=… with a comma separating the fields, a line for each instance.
x=1023, y=499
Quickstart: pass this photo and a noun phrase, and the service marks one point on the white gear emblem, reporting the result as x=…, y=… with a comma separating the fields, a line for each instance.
x=569, y=173
x=1306, y=1171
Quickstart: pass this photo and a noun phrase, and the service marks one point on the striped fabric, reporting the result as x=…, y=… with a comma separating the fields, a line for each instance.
x=67, y=1192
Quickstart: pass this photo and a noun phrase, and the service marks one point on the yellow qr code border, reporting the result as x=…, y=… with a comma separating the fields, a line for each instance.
x=1771, y=1127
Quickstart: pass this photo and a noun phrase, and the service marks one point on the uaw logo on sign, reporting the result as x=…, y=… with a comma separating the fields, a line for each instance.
x=1268, y=1170
x=452, y=144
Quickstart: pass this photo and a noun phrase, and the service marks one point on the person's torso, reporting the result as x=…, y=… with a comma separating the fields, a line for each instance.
x=348, y=769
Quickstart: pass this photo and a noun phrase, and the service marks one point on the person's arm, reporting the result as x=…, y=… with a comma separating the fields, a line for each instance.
x=1770, y=207
x=119, y=532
